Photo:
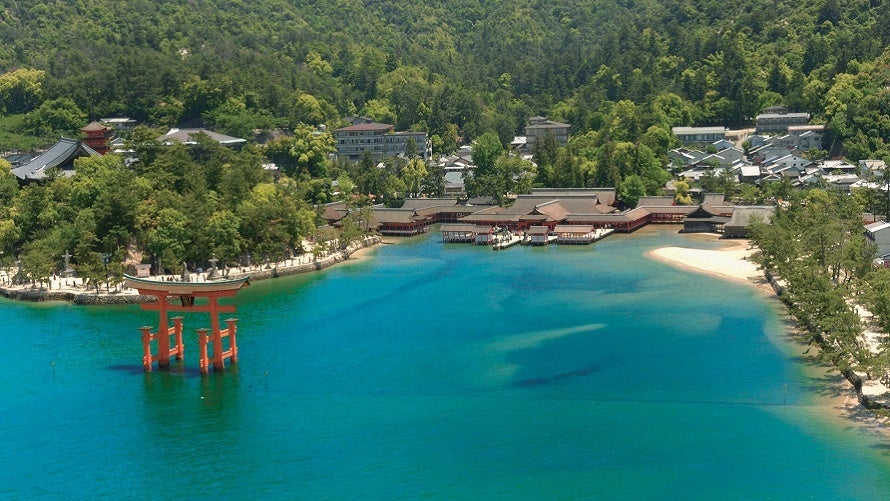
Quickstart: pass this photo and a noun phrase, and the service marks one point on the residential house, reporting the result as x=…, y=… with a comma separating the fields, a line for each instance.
x=190, y=137
x=871, y=168
x=747, y=173
x=723, y=158
x=120, y=125
x=841, y=182
x=809, y=137
x=456, y=169
x=681, y=157
x=838, y=167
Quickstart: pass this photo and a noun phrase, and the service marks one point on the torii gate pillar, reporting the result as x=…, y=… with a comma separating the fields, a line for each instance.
x=187, y=292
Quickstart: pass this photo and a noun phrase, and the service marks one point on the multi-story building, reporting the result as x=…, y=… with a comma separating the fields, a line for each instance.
x=778, y=119
x=703, y=135
x=539, y=127
x=381, y=140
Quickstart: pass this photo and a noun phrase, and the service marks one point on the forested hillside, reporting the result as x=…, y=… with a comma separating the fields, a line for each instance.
x=465, y=66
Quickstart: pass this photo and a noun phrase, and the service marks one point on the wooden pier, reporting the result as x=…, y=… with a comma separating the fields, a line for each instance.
x=509, y=241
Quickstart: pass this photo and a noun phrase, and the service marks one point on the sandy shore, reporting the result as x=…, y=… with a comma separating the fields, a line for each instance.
x=731, y=263
x=838, y=399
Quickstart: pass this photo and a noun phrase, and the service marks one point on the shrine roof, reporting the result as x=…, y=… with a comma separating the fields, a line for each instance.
x=59, y=155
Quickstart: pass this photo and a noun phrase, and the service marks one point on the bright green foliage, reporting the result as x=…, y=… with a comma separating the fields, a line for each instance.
x=21, y=90
x=413, y=174
x=235, y=118
x=682, y=196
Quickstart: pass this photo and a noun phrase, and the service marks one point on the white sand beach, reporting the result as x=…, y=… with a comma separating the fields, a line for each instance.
x=731, y=263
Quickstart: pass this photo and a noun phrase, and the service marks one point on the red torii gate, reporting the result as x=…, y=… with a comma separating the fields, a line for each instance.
x=187, y=292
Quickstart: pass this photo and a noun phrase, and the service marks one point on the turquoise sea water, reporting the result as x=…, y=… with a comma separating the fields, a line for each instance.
x=443, y=372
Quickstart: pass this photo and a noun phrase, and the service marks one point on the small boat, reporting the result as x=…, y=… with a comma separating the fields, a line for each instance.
x=144, y=285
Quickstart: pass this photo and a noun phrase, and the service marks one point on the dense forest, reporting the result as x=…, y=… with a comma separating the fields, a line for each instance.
x=463, y=66
x=621, y=72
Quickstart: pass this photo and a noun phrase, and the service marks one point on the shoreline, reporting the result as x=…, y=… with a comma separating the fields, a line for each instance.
x=60, y=290
x=841, y=404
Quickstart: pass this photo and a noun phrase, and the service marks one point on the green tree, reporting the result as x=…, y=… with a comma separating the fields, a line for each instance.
x=168, y=239
x=54, y=116
x=545, y=155
x=486, y=149
x=682, y=196
x=311, y=149
x=413, y=174
x=631, y=190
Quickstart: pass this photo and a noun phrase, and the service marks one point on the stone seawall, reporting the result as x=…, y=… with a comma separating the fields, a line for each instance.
x=854, y=379
x=85, y=297
x=91, y=297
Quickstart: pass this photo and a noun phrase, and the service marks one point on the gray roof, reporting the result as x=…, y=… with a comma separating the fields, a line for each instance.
x=742, y=216
x=60, y=155
x=698, y=130
x=877, y=226
x=189, y=136
x=463, y=227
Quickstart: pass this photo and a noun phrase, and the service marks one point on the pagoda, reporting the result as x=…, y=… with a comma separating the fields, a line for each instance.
x=97, y=136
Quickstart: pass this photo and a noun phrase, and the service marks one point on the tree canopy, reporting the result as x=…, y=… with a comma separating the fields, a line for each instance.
x=616, y=68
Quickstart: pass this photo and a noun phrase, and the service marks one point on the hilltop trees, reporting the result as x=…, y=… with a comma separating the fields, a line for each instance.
x=488, y=68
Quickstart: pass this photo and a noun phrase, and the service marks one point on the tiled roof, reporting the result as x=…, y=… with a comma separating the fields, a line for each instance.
x=548, y=125
x=459, y=227
x=655, y=201
x=742, y=216
x=382, y=216
x=423, y=203
x=573, y=228
x=878, y=226
x=95, y=126
x=60, y=154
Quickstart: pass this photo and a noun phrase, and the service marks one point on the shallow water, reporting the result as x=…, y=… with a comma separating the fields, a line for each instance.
x=437, y=371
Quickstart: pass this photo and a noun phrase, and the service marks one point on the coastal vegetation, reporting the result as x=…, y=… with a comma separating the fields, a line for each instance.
x=814, y=246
